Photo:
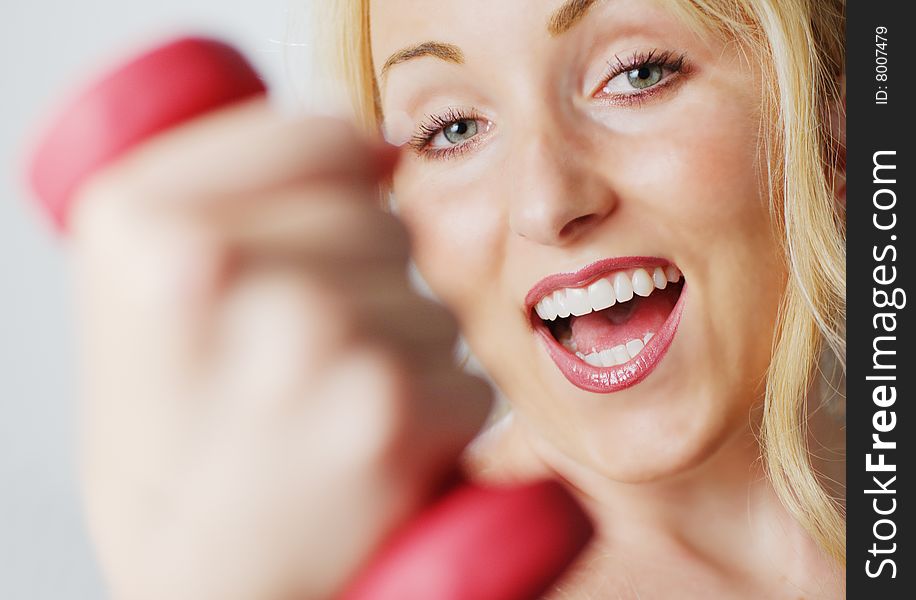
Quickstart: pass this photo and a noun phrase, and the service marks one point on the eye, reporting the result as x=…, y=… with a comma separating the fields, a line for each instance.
x=638, y=74
x=645, y=76
x=634, y=80
x=445, y=135
x=458, y=131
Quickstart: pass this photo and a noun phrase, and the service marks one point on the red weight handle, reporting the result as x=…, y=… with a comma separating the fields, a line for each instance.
x=473, y=543
x=480, y=543
x=153, y=92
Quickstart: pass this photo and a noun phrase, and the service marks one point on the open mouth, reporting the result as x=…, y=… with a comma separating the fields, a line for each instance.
x=608, y=325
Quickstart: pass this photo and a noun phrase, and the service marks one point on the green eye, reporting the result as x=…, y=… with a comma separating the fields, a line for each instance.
x=460, y=131
x=645, y=76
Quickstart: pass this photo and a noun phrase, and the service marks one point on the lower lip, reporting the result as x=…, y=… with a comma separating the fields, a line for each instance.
x=605, y=380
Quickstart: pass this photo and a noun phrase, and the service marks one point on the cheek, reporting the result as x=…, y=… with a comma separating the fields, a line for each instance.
x=699, y=177
x=456, y=238
x=698, y=170
x=731, y=249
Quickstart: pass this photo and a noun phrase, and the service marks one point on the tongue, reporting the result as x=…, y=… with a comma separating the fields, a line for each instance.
x=621, y=323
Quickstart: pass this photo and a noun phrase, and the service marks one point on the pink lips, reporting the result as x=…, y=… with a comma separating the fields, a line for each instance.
x=604, y=380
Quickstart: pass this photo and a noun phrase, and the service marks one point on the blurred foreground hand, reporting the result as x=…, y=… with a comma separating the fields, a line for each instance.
x=264, y=396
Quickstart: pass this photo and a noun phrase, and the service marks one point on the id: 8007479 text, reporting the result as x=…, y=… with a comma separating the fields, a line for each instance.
x=881, y=60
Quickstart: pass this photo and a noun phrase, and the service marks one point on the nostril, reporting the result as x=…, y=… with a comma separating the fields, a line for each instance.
x=577, y=225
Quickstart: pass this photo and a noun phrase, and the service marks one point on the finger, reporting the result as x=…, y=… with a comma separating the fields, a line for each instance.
x=186, y=263
x=417, y=420
x=131, y=279
x=231, y=155
x=332, y=222
x=422, y=329
x=322, y=319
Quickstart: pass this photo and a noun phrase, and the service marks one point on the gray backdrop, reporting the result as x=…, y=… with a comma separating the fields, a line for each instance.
x=45, y=45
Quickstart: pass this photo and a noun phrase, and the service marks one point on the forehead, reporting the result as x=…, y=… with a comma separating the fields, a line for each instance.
x=438, y=15
x=395, y=23
x=490, y=28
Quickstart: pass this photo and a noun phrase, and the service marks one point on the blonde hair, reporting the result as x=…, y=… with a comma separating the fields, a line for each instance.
x=800, y=45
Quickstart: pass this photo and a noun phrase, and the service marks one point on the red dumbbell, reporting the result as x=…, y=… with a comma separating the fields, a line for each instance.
x=473, y=542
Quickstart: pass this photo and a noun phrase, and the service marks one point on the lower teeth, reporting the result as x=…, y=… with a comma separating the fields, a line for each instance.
x=611, y=357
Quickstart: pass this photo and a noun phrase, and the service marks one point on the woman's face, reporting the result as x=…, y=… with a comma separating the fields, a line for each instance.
x=575, y=151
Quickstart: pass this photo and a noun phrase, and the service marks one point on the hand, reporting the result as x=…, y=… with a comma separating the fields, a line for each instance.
x=264, y=396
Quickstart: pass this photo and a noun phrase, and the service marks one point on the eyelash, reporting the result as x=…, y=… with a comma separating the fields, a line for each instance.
x=671, y=63
x=433, y=126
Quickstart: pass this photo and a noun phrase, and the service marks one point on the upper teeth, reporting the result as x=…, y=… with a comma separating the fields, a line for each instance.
x=605, y=292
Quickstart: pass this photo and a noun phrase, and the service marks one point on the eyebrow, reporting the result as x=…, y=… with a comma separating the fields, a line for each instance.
x=561, y=21
x=568, y=15
x=447, y=52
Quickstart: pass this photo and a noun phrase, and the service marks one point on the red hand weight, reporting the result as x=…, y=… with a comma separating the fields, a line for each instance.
x=149, y=94
x=480, y=543
x=473, y=542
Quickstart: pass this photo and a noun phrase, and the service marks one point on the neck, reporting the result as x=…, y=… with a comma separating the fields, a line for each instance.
x=721, y=512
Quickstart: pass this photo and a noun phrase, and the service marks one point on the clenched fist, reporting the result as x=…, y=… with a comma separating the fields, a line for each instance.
x=265, y=397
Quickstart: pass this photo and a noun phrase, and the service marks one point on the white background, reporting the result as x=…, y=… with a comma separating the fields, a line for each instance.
x=45, y=47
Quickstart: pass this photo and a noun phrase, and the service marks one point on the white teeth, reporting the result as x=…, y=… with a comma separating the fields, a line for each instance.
x=548, y=307
x=539, y=309
x=617, y=355
x=559, y=301
x=634, y=347
x=605, y=292
x=642, y=283
x=623, y=287
x=594, y=359
x=577, y=301
x=607, y=358
x=620, y=354
x=601, y=294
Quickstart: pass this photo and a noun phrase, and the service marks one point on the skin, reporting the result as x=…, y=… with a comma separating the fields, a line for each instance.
x=255, y=385
x=558, y=177
x=265, y=399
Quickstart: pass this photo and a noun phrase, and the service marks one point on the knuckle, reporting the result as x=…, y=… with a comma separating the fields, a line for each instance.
x=103, y=202
x=287, y=303
x=124, y=256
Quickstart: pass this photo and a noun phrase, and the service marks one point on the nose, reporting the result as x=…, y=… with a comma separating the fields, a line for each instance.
x=557, y=197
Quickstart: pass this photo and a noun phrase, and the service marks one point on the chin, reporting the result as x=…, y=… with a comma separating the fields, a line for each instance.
x=625, y=370
x=670, y=423
x=661, y=450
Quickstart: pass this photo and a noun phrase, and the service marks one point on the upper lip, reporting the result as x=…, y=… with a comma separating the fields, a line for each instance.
x=588, y=273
